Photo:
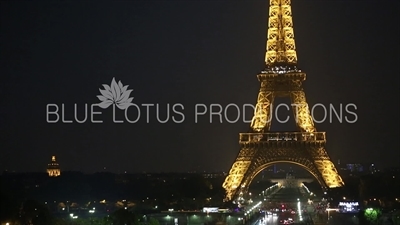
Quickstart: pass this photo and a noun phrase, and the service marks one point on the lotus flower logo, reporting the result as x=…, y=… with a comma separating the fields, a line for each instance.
x=116, y=94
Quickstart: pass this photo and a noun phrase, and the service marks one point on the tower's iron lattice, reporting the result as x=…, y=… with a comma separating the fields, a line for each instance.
x=281, y=78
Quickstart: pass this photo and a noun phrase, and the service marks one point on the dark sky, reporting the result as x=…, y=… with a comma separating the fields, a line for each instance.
x=188, y=52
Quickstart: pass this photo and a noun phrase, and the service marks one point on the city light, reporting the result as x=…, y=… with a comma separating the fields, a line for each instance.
x=299, y=210
x=60, y=58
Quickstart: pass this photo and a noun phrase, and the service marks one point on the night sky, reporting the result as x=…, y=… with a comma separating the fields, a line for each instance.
x=187, y=52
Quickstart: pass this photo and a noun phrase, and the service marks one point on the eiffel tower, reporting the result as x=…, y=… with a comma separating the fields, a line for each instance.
x=261, y=148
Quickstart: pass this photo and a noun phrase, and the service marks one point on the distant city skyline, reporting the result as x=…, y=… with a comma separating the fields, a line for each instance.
x=277, y=168
x=193, y=52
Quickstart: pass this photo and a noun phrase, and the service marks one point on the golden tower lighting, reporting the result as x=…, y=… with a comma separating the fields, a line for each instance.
x=53, y=168
x=262, y=148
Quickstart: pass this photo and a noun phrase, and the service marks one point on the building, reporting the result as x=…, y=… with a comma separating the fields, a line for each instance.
x=53, y=168
x=291, y=181
x=355, y=167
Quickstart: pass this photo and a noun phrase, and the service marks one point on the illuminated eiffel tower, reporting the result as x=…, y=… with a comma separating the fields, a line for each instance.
x=261, y=148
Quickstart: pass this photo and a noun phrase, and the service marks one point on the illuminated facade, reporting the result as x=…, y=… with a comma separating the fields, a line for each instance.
x=53, y=168
x=291, y=181
x=349, y=207
x=261, y=148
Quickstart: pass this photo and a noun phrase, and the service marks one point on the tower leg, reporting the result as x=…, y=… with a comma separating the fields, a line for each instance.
x=301, y=111
x=262, y=113
x=237, y=172
x=326, y=168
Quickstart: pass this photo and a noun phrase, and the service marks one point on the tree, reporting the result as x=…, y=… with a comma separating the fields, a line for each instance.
x=7, y=210
x=124, y=217
x=32, y=212
x=153, y=221
x=361, y=218
x=372, y=215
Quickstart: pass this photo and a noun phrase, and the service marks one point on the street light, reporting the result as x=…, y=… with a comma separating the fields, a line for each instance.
x=329, y=214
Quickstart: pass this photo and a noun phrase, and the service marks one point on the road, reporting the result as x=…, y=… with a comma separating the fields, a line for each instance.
x=267, y=220
x=272, y=218
x=281, y=208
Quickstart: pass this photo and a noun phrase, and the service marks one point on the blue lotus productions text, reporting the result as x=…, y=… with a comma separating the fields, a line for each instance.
x=212, y=113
